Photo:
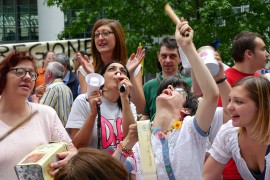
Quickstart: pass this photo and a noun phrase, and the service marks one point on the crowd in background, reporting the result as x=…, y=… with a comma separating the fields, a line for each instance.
x=203, y=126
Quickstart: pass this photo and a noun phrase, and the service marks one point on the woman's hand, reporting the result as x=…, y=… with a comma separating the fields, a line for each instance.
x=135, y=60
x=63, y=157
x=94, y=98
x=123, y=81
x=220, y=74
x=86, y=63
x=183, y=33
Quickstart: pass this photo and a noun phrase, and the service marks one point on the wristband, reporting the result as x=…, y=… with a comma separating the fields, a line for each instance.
x=221, y=80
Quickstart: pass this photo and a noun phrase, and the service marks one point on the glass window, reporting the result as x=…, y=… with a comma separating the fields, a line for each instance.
x=9, y=34
x=22, y=2
x=9, y=2
x=33, y=2
x=19, y=20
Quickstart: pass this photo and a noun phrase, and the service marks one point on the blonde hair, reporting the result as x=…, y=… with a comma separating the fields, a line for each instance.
x=259, y=91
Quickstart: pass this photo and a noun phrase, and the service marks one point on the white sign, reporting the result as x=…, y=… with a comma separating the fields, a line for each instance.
x=37, y=49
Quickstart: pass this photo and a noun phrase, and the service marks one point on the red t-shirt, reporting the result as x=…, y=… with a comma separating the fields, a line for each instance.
x=230, y=171
x=234, y=75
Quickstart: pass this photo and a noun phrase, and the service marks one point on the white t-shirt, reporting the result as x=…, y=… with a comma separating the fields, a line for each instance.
x=186, y=152
x=226, y=146
x=111, y=121
x=215, y=126
x=42, y=128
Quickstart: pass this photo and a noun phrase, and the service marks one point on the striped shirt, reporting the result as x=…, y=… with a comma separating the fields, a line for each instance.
x=58, y=96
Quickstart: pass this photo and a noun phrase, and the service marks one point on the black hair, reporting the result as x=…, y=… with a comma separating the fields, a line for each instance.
x=169, y=42
x=103, y=71
x=191, y=101
x=171, y=80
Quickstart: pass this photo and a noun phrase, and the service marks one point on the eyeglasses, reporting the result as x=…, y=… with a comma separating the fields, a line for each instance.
x=104, y=33
x=181, y=91
x=21, y=72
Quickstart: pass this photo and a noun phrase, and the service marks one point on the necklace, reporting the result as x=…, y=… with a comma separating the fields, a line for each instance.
x=161, y=135
x=165, y=152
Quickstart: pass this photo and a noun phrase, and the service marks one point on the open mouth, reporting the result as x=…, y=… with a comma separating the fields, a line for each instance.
x=25, y=86
x=102, y=44
x=235, y=116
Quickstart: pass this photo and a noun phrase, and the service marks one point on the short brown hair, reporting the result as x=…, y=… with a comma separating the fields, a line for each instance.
x=258, y=89
x=10, y=61
x=94, y=164
x=242, y=42
x=120, y=50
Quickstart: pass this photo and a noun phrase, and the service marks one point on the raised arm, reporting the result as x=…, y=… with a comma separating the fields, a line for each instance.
x=136, y=93
x=83, y=84
x=128, y=117
x=224, y=88
x=208, y=104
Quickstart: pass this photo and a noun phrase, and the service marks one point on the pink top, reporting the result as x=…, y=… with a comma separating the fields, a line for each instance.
x=42, y=128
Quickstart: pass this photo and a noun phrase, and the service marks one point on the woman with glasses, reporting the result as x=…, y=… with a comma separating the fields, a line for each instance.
x=178, y=140
x=17, y=81
x=108, y=44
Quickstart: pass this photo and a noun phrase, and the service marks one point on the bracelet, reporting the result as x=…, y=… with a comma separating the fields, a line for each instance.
x=124, y=151
x=221, y=80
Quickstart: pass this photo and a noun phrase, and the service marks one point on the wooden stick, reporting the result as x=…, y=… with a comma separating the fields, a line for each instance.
x=171, y=14
x=174, y=17
x=26, y=118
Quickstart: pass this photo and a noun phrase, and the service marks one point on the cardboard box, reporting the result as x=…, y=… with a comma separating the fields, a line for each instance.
x=36, y=165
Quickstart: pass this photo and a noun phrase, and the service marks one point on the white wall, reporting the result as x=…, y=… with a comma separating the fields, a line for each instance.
x=50, y=20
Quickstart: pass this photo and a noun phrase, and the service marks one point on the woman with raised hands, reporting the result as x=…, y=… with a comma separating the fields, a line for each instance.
x=108, y=44
x=178, y=137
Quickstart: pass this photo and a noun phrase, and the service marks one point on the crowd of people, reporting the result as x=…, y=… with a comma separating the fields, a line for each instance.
x=202, y=127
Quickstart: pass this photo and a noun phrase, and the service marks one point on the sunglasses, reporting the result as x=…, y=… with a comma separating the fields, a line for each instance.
x=181, y=91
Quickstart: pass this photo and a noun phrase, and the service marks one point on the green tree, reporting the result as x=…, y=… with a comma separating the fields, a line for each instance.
x=145, y=21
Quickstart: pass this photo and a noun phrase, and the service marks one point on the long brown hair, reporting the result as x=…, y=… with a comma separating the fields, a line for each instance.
x=258, y=89
x=120, y=50
x=94, y=164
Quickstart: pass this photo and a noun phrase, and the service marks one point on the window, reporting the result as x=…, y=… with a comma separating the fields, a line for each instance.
x=18, y=21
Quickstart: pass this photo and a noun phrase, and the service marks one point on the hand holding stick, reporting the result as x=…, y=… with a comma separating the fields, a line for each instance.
x=26, y=118
x=173, y=16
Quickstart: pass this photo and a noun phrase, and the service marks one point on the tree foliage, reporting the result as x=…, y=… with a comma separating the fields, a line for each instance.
x=145, y=21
